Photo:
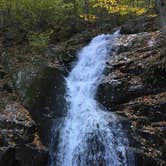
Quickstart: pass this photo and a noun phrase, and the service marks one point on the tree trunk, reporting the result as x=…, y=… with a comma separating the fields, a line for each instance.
x=86, y=6
x=75, y=16
x=161, y=7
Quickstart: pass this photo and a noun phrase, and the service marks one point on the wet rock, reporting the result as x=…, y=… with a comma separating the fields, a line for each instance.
x=47, y=101
x=28, y=155
x=7, y=157
x=65, y=52
x=124, y=91
x=124, y=70
x=2, y=73
x=23, y=155
x=38, y=84
x=142, y=159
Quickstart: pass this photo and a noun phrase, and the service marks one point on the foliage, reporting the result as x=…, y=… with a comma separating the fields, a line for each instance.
x=38, y=41
x=64, y=17
x=124, y=7
x=88, y=17
x=32, y=14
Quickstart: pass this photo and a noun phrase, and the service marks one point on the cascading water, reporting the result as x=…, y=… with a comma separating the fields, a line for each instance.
x=90, y=135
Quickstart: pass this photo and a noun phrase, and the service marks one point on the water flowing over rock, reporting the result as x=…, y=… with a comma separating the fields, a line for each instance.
x=90, y=135
x=125, y=91
x=32, y=90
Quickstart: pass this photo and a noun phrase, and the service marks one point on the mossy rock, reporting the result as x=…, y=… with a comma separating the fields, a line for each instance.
x=40, y=85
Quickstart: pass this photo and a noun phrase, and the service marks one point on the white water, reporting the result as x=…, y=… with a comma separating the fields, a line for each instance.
x=90, y=136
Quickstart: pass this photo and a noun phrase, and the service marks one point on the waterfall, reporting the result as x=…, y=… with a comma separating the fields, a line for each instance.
x=89, y=134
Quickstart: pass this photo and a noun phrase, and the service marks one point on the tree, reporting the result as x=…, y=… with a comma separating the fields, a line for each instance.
x=86, y=6
x=161, y=7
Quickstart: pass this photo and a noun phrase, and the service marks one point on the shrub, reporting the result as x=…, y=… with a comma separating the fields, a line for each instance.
x=38, y=41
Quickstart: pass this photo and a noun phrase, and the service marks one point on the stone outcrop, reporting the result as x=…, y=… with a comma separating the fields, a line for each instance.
x=26, y=90
x=18, y=138
x=125, y=91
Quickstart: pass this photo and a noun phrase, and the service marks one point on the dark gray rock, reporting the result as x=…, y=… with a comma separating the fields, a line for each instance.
x=23, y=155
x=47, y=101
x=124, y=91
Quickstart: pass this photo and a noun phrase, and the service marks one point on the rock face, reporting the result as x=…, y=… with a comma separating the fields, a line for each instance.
x=18, y=143
x=27, y=91
x=123, y=80
x=48, y=102
x=125, y=91
x=24, y=132
x=32, y=96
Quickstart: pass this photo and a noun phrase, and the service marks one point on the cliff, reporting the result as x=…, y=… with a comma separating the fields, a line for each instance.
x=32, y=90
